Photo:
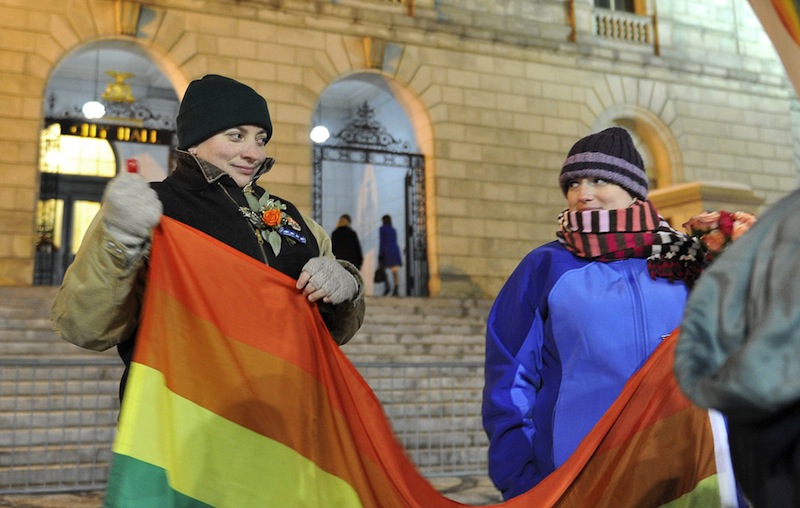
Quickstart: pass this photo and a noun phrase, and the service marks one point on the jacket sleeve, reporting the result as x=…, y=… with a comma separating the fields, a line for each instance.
x=359, y=253
x=345, y=319
x=97, y=305
x=381, y=244
x=512, y=379
x=738, y=344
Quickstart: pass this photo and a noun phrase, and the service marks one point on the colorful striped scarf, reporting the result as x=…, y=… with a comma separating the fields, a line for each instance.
x=634, y=232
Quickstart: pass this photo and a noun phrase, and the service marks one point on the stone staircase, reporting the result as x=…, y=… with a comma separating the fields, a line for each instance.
x=58, y=402
x=25, y=330
x=410, y=330
x=423, y=358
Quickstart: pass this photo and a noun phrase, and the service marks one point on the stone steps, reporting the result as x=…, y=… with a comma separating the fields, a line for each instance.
x=25, y=329
x=420, y=330
x=58, y=402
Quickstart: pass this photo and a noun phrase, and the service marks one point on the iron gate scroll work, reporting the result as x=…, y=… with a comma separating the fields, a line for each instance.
x=366, y=141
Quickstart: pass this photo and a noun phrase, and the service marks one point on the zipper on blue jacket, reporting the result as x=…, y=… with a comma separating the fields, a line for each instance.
x=639, y=310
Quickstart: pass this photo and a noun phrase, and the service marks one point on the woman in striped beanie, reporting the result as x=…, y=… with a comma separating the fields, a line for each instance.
x=580, y=314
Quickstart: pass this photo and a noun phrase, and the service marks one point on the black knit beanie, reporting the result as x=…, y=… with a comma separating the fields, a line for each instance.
x=215, y=103
x=610, y=155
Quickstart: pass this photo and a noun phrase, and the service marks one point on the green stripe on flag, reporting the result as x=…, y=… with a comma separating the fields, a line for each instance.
x=129, y=476
x=212, y=459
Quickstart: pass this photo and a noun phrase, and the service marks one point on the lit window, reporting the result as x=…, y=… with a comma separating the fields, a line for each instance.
x=49, y=223
x=76, y=155
x=83, y=213
x=87, y=157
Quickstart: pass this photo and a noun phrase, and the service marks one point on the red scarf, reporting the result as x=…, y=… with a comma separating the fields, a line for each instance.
x=634, y=232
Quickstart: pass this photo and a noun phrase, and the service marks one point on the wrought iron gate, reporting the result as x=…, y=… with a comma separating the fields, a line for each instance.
x=365, y=141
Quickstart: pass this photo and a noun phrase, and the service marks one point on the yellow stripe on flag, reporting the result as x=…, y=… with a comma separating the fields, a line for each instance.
x=704, y=495
x=214, y=460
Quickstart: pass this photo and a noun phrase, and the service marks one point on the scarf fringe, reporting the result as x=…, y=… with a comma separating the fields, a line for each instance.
x=673, y=270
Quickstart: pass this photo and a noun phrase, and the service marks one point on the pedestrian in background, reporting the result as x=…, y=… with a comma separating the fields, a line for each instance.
x=345, y=242
x=739, y=353
x=389, y=253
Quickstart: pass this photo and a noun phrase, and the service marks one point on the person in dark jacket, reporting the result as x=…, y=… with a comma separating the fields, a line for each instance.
x=223, y=127
x=345, y=242
x=579, y=315
x=739, y=353
x=389, y=253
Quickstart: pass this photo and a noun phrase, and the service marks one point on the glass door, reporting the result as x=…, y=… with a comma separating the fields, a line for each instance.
x=74, y=173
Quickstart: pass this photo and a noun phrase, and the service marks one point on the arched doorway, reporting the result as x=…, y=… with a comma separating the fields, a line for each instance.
x=654, y=140
x=107, y=109
x=370, y=167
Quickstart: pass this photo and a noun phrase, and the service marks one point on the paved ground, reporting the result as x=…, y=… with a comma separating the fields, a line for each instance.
x=470, y=490
x=473, y=491
x=83, y=500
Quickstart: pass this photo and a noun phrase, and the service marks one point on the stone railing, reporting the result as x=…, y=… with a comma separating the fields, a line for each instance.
x=625, y=27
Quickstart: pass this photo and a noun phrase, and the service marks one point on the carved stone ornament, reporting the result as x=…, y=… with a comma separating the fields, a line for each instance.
x=127, y=16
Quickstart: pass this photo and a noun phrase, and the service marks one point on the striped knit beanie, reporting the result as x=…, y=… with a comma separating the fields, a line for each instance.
x=610, y=155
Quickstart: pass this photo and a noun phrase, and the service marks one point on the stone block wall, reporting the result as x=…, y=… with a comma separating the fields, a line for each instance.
x=495, y=91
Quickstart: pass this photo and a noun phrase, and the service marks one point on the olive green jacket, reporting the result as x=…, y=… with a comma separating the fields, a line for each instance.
x=99, y=301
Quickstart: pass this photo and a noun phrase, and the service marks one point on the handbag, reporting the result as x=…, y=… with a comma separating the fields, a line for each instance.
x=380, y=275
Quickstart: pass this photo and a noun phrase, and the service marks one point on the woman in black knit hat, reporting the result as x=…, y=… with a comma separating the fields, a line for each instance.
x=579, y=315
x=223, y=127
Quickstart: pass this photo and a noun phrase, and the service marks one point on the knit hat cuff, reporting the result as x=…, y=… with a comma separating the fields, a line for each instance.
x=600, y=165
x=205, y=120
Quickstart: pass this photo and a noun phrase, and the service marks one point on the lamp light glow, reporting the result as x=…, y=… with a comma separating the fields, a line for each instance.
x=320, y=134
x=93, y=110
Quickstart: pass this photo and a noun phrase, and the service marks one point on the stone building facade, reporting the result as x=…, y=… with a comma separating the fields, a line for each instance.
x=496, y=92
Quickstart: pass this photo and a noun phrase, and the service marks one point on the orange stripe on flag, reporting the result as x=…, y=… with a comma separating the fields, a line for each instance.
x=787, y=11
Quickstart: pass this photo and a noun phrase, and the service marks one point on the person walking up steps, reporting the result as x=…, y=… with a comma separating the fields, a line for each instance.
x=389, y=253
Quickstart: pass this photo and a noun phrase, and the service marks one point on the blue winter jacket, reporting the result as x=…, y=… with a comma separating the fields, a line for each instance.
x=563, y=337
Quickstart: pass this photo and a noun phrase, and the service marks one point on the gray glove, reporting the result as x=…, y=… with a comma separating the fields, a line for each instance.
x=328, y=275
x=132, y=209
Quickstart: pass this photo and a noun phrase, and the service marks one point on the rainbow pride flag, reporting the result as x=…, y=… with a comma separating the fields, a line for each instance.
x=789, y=13
x=238, y=397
